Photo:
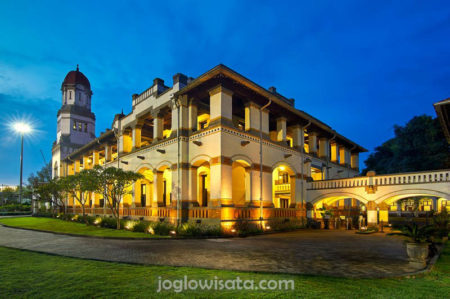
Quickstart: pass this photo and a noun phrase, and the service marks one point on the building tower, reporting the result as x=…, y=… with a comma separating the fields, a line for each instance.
x=75, y=121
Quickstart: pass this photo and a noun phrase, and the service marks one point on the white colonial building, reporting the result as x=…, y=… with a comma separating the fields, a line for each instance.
x=222, y=146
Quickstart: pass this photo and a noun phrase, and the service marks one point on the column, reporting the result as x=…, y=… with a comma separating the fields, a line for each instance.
x=107, y=153
x=95, y=157
x=193, y=114
x=298, y=137
x=157, y=128
x=252, y=117
x=323, y=148
x=435, y=204
x=344, y=156
x=125, y=143
x=136, y=137
x=77, y=166
x=193, y=196
x=281, y=129
x=354, y=160
x=312, y=141
x=157, y=188
x=383, y=212
x=86, y=162
x=307, y=165
x=221, y=182
x=372, y=214
x=221, y=106
x=399, y=208
x=334, y=152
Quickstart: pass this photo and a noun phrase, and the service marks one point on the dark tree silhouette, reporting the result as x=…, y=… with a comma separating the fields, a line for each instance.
x=419, y=145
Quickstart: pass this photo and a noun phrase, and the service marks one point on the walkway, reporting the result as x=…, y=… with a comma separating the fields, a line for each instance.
x=335, y=253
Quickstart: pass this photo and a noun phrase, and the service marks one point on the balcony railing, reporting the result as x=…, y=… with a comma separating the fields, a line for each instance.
x=282, y=188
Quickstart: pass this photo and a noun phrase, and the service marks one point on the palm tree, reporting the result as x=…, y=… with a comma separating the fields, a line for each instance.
x=416, y=233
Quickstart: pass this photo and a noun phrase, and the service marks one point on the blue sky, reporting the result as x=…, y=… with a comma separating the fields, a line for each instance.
x=359, y=66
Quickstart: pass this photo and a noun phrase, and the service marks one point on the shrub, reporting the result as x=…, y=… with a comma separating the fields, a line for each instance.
x=245, y=228
x=141, y=227
x=162, y=228
x=108, y=222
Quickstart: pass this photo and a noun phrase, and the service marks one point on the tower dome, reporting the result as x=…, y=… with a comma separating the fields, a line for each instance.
x=76, y=77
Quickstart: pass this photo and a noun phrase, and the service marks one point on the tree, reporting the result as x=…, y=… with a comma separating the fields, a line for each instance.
x=114, y=183
x=80, y=185
x=419, y=145
x=8, y=194
x=52, y=192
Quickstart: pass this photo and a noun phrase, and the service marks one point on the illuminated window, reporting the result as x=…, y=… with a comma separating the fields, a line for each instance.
x=80, y=127
x=74, y=125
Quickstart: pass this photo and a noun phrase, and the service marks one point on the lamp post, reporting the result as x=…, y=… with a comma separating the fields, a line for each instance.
x=21, y=128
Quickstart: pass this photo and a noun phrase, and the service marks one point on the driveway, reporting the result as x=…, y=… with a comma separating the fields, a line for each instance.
x=321, y=252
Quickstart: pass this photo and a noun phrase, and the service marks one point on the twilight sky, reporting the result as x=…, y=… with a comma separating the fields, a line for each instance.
x=359, y=66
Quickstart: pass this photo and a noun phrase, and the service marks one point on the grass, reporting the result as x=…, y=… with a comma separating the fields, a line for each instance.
x=67, y=227
x=30, y=274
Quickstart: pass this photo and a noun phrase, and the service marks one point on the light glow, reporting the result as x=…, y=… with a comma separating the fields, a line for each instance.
x=22, y=127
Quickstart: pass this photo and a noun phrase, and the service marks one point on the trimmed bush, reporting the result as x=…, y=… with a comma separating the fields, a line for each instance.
x=162, y=228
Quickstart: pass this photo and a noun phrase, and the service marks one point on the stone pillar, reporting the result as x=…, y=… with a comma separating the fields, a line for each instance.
x=323, y=148
x=221, y=183
x=372, y=214
x=399, y=208
x=136, y=136
x=267, y=188
x=281, y=129
x=248, y=185
x=193, y=189
x=77, y=166
x=95, y=157
x=107, y=153
x=221, y=106
x=125, y=143
x=252, y=117
x=355, y=161
x=344, y=154
x=435, y=204
x=157, y=188
x=307, y=168
x=312, y=142
x=193, y=114
x=157, y=127
x=298, y=137
x=334, y=152
x=133, y=194
x=86, y=162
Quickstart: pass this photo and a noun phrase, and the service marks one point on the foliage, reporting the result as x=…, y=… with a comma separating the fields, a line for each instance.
x=416, y=233
x=9, y=195
x=245, y=228
x=419, y=145
x=282, y=225
x=162, y=228
x=51, y=192
x=196, y=230
x=441, y=223
x=114, y=183
x=15, y=208
x=79, y=186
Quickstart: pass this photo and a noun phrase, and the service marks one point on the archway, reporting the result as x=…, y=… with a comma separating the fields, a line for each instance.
x=143, y=188
x=164, y=174
x=241, y=182
x=283, y=186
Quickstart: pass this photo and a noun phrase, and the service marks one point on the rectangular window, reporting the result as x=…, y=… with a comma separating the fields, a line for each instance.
x=85, y=127
x=75, y=125
x=80, y=127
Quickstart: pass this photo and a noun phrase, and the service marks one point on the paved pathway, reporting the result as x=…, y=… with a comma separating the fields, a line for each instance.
x=335, y=253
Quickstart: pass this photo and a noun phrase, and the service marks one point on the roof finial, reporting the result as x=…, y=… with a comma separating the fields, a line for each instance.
x=122, y=111
x=78, y=69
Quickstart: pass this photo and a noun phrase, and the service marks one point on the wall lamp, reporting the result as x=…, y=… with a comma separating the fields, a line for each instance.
x=244, y=143
x=198, y=143
x=161, y=151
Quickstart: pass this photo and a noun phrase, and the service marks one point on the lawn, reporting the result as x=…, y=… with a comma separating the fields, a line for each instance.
x=61, y=226
x=30, y=274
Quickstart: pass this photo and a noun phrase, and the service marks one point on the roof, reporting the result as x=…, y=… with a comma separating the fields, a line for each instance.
x=76, y=77
x=273, y=96
x=443, y=112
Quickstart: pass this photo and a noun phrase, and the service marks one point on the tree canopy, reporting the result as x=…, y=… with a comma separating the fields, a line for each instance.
x=419, y=145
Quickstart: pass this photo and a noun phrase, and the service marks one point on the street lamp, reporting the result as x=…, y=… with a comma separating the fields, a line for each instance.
x=21, y=128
